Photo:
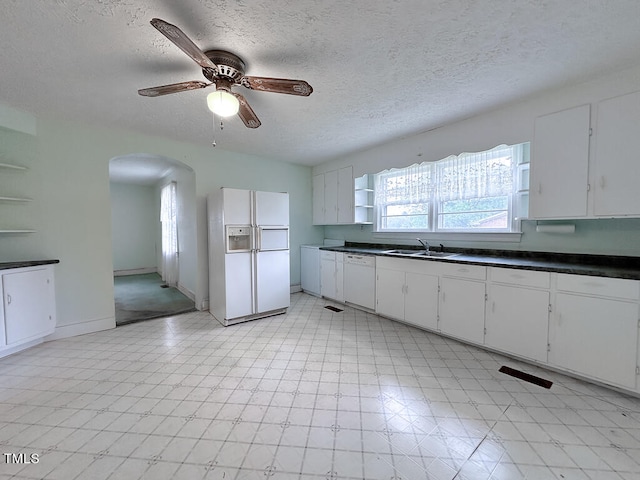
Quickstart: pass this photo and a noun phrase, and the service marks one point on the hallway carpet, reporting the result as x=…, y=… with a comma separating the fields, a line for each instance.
x=142, y=297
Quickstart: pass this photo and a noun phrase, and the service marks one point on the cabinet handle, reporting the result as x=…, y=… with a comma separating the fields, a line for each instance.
x=493, y=307
x=8, y=299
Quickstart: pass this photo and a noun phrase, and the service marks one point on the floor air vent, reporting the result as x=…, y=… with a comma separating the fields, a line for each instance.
x=333, y=309
x=541, y=382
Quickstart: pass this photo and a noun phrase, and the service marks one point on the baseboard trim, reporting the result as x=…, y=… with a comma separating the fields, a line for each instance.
x=73, y=330
x=295, y=288
x=18, y=348
x=134, y=271
x=186, y=292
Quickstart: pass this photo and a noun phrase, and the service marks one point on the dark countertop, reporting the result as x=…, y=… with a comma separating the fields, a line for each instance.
x=579, y=264
x=26, y=263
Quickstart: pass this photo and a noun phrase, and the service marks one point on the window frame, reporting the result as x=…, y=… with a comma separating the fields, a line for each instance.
x=520, y=154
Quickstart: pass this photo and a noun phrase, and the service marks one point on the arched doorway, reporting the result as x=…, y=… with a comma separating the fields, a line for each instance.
x=145, y=284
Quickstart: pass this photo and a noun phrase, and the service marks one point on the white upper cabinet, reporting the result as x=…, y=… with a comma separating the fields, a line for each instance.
x=345, y=195
x=617, y=157
x=568, y=180
x=560, y=165
x=333, y=197
x=318, y=199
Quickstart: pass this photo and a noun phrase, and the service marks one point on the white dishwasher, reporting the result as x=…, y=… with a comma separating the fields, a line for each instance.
x=360, y=280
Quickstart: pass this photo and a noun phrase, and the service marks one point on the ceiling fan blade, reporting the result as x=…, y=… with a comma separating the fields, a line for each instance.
x=278, y=85
x=172, y=88
x=184, y=43
x=246, y=113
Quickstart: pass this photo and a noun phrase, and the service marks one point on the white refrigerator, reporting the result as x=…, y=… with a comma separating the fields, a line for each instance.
x=248, y=254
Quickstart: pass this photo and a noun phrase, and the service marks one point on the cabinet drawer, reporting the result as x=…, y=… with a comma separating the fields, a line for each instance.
x=525, y=278
x=474, y=272
x=327, y=255
x=602, y=286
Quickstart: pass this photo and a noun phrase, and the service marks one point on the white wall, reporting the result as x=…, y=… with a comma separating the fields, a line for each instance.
x=72, y=209
x=134, y=222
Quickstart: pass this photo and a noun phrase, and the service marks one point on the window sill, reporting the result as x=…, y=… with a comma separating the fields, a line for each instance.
x=505, y=237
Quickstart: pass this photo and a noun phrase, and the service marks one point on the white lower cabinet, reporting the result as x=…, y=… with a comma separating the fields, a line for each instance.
x=406, y=291
x=331, y=275
x=517, y=316
x=462, y=300
x=593, y=334
x=28, y=306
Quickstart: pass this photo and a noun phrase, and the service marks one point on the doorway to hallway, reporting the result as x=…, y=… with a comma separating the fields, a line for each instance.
x=146, y=296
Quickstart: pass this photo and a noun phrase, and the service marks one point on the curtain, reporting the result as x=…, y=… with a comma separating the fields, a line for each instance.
x=476, y=175
x=404, y=185
x=169, y=222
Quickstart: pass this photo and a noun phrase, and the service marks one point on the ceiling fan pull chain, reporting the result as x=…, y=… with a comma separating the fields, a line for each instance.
x=214, y=130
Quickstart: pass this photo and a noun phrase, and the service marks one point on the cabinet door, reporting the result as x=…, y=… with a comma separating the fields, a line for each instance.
x=331, y=197
x=462, y=309
x=29, y=305
x=328, y=277
x=559, y=164
x=339, y=277
x=518, y=321
x=390, y=293
x=345, y=195
x=595, y=337
x=617, y=158
x=421, y=300
x=318, y=199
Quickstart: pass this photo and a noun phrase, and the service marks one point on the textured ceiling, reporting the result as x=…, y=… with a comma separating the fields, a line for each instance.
x=380, y=69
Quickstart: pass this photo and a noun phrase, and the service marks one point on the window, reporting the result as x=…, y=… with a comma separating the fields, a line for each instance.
x=471, y=192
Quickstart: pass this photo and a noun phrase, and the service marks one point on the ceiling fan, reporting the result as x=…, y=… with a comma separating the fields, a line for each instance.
x=224, y=70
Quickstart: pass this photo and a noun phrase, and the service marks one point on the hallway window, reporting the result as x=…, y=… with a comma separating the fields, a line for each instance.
x=168, y=219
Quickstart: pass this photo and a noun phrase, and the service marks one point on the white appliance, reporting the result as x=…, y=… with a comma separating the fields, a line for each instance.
x=248, y=254
x=360, y=280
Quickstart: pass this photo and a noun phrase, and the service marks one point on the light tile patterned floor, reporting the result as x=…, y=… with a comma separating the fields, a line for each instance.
x=308, y=395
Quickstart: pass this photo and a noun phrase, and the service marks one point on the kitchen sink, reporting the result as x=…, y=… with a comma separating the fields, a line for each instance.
x=402, y=252
x=434, y=254
x=419, y=253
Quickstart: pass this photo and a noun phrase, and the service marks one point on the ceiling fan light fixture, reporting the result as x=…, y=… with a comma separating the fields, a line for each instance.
x=223, y=103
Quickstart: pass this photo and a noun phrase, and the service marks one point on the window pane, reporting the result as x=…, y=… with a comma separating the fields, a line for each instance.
x=477, y=213
x=413, y=216
x=475, y=204
x=407, y=222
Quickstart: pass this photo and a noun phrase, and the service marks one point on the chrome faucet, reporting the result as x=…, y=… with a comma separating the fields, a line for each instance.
x=424, y=243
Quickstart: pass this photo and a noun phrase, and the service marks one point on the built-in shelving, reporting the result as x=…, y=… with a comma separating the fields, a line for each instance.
x=10, y=199
x=363, y=199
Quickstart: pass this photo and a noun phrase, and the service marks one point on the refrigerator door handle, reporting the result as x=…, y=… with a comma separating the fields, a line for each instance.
x=254, y=277
x=258, y=239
